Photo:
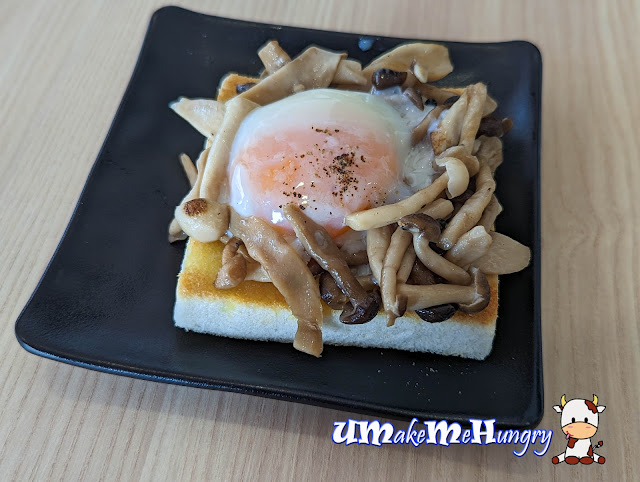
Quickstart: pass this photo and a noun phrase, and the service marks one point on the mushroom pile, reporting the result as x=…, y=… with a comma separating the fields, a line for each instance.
x=428, y=253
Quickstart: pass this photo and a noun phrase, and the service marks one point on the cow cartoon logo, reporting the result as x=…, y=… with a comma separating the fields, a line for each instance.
x=579, y=421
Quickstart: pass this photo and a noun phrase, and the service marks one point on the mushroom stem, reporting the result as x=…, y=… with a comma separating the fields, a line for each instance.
x=473, y=116
x=383, y=215
x=447, y=133
x=471, y=299
x=436, y=263
x=471, y=212
x=400, y=241
x=491, y=212
x=439, y=209
x=234, y=266
x=378, y=240
x=424, y=296
x=420, y=131
x=408, y=260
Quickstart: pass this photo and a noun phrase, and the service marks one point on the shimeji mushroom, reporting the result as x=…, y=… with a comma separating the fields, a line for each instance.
x=390, y=213
x=393, y=304
x=422, y=128
x=491, y=212
x=363, y=306
x=470, y=299
x=426, y=230
x=203, y=219
x=378, y=240
x=458, y=175
x=459, y=152
x=471, y=246
x=505, y=256
x=234, y=266
x=420, y=275
x=471, y=212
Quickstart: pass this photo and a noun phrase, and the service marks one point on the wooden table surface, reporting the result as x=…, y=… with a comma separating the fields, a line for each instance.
x=64, y=67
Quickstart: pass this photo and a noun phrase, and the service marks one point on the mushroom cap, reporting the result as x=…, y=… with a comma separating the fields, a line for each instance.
x=203, y=219
x=330, y=293
x=483, y=293
x=364, y=312
x=437, y=314
x=421, y=223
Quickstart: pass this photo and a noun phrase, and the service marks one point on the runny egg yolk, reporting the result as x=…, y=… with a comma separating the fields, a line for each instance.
x=330, y=152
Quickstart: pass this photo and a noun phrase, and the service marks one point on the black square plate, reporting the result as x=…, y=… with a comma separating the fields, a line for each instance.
x=106, y=299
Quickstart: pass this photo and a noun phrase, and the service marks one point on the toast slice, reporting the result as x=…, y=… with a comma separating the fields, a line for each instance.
x=257, y=311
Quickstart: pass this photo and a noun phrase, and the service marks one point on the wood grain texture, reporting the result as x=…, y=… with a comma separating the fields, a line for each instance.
x=63, y=69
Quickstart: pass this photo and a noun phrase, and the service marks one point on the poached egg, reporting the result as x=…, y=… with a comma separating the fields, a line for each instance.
x=332, y=152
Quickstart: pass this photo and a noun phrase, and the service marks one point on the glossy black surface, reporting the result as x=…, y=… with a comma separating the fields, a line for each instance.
x=106, y=299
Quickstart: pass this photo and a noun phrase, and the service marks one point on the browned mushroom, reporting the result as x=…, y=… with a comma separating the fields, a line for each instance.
x=385, y=78
x=470, y=299
x=491, y=126
x=203, y=219
x=289, y=273
x=426, y=230
x=314, y=267
x=331, y=293
x=414, y=96
x=356, y=259
x=437, y=314
x=322, y=248
x=421, y=275
x=333, y=296
x=471, y=212
x=431, y=61
x=234, y=266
